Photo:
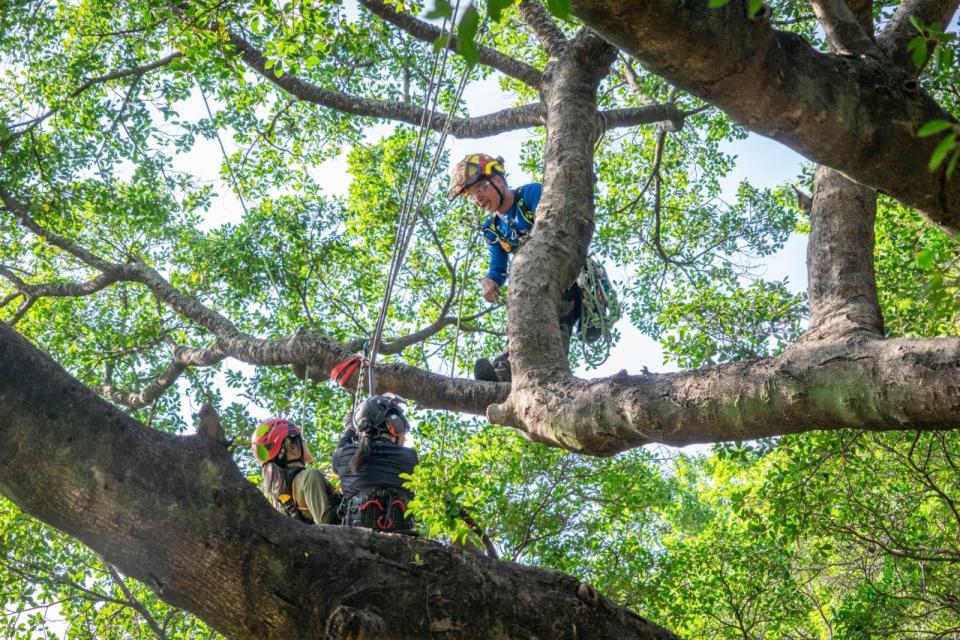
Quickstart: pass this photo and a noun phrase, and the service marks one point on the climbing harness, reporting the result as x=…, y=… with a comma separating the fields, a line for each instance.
x=378, y=509
x=599, y=311
x=493, y=234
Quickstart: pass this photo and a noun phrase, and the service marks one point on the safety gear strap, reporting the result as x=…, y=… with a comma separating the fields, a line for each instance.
x=378, y=509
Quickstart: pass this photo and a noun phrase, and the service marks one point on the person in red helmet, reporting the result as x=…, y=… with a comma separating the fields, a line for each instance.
x=291, y=487
x=482, y=178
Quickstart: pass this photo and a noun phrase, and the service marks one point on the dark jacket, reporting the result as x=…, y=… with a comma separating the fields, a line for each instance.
x=381, y=469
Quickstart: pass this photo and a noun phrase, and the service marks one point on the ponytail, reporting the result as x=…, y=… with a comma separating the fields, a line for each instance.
x=363, y=452
x=272, y=482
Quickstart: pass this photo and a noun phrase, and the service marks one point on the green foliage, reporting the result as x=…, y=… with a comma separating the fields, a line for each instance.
x=821, y=535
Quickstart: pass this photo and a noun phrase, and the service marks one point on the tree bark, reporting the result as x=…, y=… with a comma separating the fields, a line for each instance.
x=857, y=115
x=176, y=513
x=842, y=287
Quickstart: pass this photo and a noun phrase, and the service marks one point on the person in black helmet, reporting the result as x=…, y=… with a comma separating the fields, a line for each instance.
x=369, y=460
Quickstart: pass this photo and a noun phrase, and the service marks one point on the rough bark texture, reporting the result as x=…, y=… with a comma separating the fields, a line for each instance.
x=842, y=287
x=175, y=513
x=857, y=115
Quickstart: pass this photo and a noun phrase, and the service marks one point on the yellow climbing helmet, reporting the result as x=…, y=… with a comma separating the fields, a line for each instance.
x=471, y=170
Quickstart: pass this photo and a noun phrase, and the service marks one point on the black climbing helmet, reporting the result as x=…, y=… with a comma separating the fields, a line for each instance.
x=380, y=414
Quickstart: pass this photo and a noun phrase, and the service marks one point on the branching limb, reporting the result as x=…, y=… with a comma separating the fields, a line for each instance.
x=134, y=603
x=31, y=124
x=480, y=533
x=667, y=112
x=478, y=127
x=541, y=24
x=844, y=33
x=137, y=400
x=399, y=344
x=60, y=289
x=899, y=31
x=428, y=389
x=428, y=33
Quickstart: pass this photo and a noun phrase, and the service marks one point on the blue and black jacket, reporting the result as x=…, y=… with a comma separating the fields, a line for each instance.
x=504, y=232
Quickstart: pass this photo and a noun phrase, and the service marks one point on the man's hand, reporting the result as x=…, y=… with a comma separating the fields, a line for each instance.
x=491, y=290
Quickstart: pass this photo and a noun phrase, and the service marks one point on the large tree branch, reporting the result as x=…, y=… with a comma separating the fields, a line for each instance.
x=428, y=389
x=177, y=514
x=477, y=127
x=541, y=23
x=428, y=33
x=898, y=32
x=875, y=385
x=859, y=116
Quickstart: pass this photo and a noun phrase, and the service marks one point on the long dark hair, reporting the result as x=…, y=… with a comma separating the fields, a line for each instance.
x=362, y=453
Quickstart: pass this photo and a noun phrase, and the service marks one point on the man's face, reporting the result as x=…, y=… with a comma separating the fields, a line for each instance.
x=485, y=195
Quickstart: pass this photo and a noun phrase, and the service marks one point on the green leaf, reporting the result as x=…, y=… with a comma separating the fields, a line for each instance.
x=918, y=51
x=933, y=127
x=559, y=8
x=716, y=4
x=953, y=163
x=940, y=153
x=925, y=259
x=467, y=33
x=754, y=7
x=441, y=9
x=495, y=8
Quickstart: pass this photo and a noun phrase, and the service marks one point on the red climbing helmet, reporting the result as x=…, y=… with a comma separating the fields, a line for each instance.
x=471, y=170
x=267, y=440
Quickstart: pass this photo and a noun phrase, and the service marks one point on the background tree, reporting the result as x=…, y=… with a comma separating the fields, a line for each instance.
x=109, y=268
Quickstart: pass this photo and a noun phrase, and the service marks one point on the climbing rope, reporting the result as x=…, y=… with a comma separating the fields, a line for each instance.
x=599, y=311
x=412, y=204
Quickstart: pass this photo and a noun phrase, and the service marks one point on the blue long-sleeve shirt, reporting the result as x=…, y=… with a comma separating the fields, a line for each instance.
x=512, y=227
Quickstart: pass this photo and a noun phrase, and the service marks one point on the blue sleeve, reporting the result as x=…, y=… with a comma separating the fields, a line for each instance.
x=498, y=264
x=531, y=194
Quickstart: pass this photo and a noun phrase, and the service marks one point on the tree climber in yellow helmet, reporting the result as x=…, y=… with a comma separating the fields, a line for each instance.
x=482, y=179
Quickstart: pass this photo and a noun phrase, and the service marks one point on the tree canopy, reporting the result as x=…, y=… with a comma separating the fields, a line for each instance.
x=828, y=504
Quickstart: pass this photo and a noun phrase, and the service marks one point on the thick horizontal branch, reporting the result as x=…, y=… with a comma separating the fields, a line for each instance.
x=428, y=33
x=478, y=127
x=648, y=114
x=857, y=115
x=541, y=24
x=877, y=385
x=176, y=513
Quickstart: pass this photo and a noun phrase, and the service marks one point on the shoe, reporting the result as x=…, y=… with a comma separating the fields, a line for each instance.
x=483, y=370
